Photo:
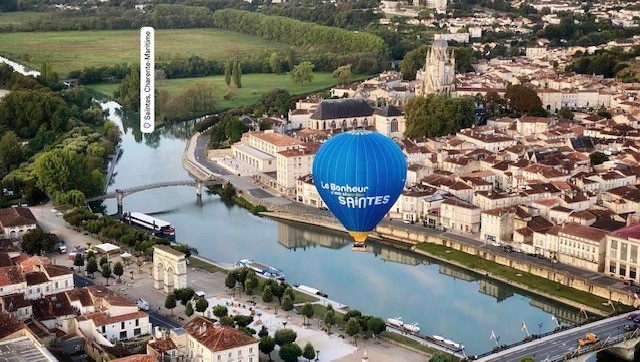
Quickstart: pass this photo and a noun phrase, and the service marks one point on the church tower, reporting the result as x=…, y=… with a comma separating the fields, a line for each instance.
x=439, y=73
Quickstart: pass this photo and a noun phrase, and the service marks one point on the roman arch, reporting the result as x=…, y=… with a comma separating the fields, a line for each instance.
x=169, y=269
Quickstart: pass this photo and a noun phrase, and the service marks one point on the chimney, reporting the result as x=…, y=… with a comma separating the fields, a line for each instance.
x=51, y=308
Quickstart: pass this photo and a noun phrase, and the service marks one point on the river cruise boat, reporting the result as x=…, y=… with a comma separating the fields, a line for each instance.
x=153, y=225
x=263, y=269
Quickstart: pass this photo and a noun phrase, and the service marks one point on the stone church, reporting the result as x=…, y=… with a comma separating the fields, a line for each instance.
x=439, y=73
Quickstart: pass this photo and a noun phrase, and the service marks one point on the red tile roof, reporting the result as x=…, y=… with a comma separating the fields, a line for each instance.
x=102, y=319
x=57, y=270
x=216, y=338
x=10, y=275
x=10, y=324
x=16, y=216
x=581, y=231
x=136, y=358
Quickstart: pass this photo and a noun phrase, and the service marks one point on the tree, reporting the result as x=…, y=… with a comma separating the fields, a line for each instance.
x=104, y=260
x=527, y=359
x=11, y=152
x=263, y=332
x=237, y=74
x=227, y=72
x=602, y=112
x=220, y=311
x=128, y=93
x=493, y=102
x=92, y=266
x=36, y=241
x=309, y=352
x=437, y=115
x=78, y=260
x=184, y=295
x=353, y=313
x=302, y=73
x=274, y=63
x=565, y=113
x=267, y=345
x=439, y=357
x=188, y=310
x=307, y=311
x=329, y=318
x=352, y=328
x=267, y=295
x=201, y=305
x=118, y=270
x=598, y=158
x=343, y=74
x=287, y=303
x=284, y=336
x=170, y=302
x=376, y=325
x=231, y=280
x=522, y=99
x=290, y=352
x=106, y=272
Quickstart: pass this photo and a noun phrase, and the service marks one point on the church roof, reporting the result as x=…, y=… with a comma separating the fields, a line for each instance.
x=389, y=111
x=440, y=43
x=342, y=108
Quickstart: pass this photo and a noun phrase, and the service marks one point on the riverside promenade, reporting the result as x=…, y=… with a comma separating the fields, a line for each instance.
x=138, y=283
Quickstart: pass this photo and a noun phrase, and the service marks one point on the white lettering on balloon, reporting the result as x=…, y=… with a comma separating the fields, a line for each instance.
x=354, y=196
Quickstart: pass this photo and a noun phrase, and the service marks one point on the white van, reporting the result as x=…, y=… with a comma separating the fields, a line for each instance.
x=62, y=249
x=142, y=304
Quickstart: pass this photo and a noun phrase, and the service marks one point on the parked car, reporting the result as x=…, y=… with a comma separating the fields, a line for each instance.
x=632, y=316
x=630, y=327
x=636, y=319
x=62, y=249
x=508, y=249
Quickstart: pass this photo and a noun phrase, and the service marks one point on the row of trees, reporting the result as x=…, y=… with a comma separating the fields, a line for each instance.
x=281, y=29
x=343, y=16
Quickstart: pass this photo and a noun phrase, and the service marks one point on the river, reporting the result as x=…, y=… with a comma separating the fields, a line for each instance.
x=385, y=281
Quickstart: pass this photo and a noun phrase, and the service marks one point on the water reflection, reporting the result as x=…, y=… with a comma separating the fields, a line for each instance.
x=383, y=281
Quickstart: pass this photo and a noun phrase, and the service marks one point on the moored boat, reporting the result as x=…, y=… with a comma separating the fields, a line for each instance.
x=260, y=268
x=157, y=227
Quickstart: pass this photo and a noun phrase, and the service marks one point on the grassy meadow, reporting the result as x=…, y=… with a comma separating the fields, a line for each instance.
x=17, y=18
x=74, y=50
x=253, y=86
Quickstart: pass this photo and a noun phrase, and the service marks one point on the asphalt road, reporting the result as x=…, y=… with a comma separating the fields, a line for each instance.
x=155, y=318
x=559, y=344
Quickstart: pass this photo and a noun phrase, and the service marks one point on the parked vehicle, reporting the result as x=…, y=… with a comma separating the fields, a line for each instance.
x=632, y=316
x=630, y=327
x=588, y=339
x=142, y=304
x=62, y=249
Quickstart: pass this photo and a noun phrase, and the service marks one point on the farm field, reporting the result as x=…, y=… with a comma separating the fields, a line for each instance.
x=253, y=86
x=74, y=50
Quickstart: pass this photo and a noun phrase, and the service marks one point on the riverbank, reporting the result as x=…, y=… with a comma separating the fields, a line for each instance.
x=537, y=284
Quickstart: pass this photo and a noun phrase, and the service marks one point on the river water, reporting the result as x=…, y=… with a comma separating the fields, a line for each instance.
x=384, y=281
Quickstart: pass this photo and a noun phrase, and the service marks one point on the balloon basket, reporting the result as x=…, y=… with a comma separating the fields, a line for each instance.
x=359, y=247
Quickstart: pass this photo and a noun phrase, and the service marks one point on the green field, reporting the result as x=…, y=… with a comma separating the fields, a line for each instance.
x=253, y=86
x=74, y=50
x=17, y=18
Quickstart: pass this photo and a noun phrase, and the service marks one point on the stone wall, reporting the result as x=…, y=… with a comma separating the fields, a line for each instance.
x=572, y=281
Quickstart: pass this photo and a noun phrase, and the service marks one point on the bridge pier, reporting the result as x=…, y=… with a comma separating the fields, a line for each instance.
x=119, y=198
x=199, y=188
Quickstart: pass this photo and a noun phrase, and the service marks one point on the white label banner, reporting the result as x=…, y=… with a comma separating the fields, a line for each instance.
x=147, y=79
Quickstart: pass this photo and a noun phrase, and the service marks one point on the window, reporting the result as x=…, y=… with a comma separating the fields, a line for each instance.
x=136, y=332
x=123, y=335
x=633, y=257
x=104, y=329
x=121, y=325
x=251, y=350
x=623, y=251
x=612, y=268
x=137, y=322
x=56, y=285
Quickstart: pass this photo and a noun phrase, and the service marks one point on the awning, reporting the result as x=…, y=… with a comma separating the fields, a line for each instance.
x=125, y=255
x=107, y=248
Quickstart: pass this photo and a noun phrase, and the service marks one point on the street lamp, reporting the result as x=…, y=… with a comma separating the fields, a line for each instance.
x=317, y=355
x=540, y=328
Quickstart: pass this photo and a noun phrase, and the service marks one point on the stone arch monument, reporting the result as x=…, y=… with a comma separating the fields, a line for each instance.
x=169, y=269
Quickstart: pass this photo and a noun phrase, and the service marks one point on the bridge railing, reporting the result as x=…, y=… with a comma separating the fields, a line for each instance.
x=539, y=336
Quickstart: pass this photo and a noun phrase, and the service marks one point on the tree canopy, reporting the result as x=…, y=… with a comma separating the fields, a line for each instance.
x=302, y=73
x=437, y=115
x=522, y=99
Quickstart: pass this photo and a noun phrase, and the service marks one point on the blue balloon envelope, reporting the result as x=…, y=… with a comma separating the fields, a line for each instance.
x=359, y=176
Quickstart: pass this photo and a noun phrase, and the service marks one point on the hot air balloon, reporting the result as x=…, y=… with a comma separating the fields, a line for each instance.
x=359, y=176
